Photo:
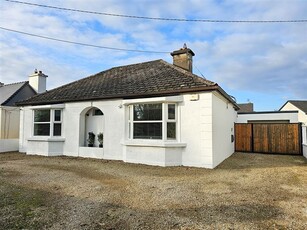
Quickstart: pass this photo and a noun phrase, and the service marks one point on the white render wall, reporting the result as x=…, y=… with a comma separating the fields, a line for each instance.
x=9, y=122
x=194, y=146
x=269, y=116
x=196, y=131
x=74, y=132
x=224, y=117
x=73, y=125
x=8, y=145
x=302, y=116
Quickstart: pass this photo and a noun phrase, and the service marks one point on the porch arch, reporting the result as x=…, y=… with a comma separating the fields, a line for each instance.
x=91, y=120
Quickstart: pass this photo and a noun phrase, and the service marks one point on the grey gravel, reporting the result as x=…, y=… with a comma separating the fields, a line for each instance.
x=247, y=191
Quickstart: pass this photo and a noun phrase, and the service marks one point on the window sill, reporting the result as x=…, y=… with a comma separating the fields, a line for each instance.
x=146, y=143
x=47, y=139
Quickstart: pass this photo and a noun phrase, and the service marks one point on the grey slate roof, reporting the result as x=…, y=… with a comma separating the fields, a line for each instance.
x=153, y=78
x=301, y=104
x=8, y=91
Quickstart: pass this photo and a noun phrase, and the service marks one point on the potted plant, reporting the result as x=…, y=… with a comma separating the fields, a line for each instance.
x=100, y=139
x=91, y=139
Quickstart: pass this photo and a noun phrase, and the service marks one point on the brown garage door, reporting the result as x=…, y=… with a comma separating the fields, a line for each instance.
x=268, y=138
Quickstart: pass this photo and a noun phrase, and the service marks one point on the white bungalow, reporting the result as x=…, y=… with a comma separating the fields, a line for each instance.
x=152, y=113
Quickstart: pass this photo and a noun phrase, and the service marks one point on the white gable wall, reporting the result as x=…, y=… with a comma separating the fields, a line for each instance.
x=224, y=117
x=302, y=116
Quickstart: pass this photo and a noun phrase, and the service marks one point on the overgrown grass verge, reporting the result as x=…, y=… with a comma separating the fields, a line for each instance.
x=25, y=208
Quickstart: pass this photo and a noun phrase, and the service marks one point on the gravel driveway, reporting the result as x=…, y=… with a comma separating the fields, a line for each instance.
x=247, y=191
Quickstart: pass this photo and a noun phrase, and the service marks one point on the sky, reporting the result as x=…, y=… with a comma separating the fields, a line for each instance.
x=262, y=63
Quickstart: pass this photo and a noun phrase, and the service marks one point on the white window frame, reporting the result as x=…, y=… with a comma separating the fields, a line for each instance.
x=51, y=122
x=167, y=120
x=164, y=121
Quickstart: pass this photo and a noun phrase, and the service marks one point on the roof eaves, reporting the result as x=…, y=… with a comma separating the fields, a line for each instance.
x=125, y=96
x=226, y=95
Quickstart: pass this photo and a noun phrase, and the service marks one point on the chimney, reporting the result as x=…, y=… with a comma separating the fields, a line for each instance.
x=38, y=81
x=183, y=58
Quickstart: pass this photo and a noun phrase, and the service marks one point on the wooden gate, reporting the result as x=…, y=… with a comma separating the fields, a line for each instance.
x=268, y=138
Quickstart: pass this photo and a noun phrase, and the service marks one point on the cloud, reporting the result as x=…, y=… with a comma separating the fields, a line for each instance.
x=260, y=58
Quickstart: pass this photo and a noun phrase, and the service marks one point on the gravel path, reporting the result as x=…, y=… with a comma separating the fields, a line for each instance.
x=247, y=191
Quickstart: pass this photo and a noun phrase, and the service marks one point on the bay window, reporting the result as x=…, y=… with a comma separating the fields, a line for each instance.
x=47, y=122
x=152, y=121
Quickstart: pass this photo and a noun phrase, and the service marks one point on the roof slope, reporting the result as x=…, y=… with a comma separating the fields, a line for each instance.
x=8, y=91
x=153, y=78
x=301, y=104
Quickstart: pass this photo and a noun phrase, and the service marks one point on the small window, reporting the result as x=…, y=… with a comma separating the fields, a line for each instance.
x=41, y=129
x=171, y=130
x=42, y=115
x=147, y=130
x=171, y=111
x=97, y=112
x=57, y=129
x=147, y=112
x=44, y=125
x=57, y=115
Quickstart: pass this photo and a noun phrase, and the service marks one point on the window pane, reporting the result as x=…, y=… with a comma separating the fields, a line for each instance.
x=147, y=130
x=171, y=130
x=171, y=111
x=41, y=129
x=147, y=112
x=97, y=112
x=57, y=129
x=42, y=115
x=57, y=115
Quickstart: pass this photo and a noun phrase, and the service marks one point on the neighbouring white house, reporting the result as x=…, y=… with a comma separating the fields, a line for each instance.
x=268, y=117
x=153, y=113
x=297, y=105
x=9, y=112
x=301, y=107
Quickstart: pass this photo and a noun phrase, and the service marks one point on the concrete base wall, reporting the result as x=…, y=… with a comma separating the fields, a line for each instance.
x=149, y=155
x=45, y=147
x=91, y=152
